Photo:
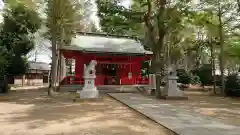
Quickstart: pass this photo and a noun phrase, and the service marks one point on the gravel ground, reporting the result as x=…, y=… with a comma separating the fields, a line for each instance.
x=31, y=113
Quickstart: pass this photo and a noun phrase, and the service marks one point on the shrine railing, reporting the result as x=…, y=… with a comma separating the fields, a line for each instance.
x=134, y=80
x=106, y=80
x=74, y=80
x=142, y=80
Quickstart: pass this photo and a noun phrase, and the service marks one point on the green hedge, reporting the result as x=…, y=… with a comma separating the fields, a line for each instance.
x=183, y=76
x=232, y=85
x=205, y=74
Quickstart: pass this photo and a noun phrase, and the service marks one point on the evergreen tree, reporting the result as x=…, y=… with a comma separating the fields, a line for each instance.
x=16, y=38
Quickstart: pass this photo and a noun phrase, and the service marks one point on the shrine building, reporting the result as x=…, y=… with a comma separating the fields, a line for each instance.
x=118, y=59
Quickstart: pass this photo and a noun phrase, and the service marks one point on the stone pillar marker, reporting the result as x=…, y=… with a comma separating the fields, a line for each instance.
x=171, y=90
x=152, y=83
x=89, y=90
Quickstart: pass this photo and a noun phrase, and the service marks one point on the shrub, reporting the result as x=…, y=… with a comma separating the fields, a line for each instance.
x=232, y=85
x=183, y=76
x=3, y=85
x=205, y=74
x=218, y=80
x=195, y=79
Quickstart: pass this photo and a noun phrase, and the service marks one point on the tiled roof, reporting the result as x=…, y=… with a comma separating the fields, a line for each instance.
x=39, y=66
x=96, y=43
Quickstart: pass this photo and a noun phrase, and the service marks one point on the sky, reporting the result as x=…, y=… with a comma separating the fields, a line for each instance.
x=1, y=9
x=126, y=3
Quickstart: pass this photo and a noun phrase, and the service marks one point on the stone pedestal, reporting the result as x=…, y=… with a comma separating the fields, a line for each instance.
x=171, y=90
x=152, y=83
x=89, y=90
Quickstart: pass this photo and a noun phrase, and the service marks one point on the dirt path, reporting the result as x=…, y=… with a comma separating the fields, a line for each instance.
x=30, y=113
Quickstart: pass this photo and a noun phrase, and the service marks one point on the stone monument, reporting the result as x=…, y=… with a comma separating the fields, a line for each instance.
x=152, y=83
x=89, y=90
x=171, y=90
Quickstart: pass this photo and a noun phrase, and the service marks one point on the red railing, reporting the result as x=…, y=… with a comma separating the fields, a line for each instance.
x=134, y=80
x=72, y=80
x=110, y=80
x=142, y=80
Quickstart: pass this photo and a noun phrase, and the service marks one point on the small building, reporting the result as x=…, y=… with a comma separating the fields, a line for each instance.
x=118, y=59
x=37, y=74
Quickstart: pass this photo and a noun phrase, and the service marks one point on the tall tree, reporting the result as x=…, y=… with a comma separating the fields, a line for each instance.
x=62, y=21
x=226, y=14
x=20, y=23
x=117, y=19
x=160, y=19
x=207, y=22
x=157, y=17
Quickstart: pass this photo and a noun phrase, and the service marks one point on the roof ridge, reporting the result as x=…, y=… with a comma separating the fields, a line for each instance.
x=37, y=62
x=109, y=35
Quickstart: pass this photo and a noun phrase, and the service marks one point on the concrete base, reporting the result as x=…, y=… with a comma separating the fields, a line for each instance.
x=174, y=97
x=88, y=94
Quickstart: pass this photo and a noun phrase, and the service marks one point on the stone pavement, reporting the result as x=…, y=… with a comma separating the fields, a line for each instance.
x=175, y=118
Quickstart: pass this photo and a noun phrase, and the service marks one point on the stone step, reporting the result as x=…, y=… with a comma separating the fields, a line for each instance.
x=120, y=88
x=70, y=87
x=103, y=88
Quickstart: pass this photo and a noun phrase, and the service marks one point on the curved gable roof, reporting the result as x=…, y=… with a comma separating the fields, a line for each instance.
x=103, y=43
x=38, y=66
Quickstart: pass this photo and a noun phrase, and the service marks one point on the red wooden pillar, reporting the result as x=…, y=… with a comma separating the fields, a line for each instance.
x=79, y=66
x=137, y=68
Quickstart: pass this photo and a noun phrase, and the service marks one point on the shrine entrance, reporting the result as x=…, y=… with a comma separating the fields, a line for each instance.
x=109, y=71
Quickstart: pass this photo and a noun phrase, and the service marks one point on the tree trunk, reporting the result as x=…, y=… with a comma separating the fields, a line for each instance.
x=238, y=2
x=213, y=67
x=59, y=68
x=52, y=83
x=59, y=58
x=152, y=70
x=157, y=43
x=159, y=46
x=158, y=70
x=23, y=80
x=221, y=49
